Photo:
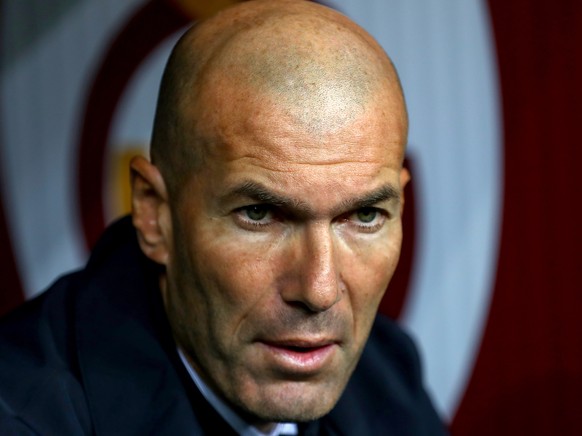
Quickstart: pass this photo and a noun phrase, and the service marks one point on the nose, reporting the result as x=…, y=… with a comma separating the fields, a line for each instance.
x=316, y=282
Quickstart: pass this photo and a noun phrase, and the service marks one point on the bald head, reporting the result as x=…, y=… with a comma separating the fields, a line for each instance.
x=279, y=137
x=320, y=68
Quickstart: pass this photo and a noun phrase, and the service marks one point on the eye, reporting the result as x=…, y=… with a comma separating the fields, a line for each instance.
x=256, y=212
x=367, y=215
x=255, y=216
x=368, y=219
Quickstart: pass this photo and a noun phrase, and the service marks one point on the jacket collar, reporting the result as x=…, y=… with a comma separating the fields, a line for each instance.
x=129, y=366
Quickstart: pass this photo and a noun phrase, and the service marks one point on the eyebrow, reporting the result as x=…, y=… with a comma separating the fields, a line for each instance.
x=260, y=193
x=384, y=193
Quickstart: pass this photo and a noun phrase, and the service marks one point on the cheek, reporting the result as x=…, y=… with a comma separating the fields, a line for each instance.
x=234, y=273
x=368, y=272
x=217, y=288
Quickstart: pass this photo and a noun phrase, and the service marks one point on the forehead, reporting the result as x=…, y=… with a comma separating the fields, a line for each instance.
x=239, y=123
x=260, y=143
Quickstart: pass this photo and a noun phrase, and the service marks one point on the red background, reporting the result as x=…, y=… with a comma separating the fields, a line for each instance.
x=528, y=375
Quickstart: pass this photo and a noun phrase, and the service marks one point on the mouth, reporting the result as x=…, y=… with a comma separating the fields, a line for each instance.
x=299, y=357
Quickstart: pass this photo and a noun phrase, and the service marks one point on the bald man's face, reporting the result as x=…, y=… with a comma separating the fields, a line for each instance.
x=283, y=245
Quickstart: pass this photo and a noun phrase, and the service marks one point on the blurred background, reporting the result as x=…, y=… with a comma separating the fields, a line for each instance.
x=489, y=283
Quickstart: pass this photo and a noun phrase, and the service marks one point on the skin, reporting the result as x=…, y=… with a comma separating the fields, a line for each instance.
x=282, y=236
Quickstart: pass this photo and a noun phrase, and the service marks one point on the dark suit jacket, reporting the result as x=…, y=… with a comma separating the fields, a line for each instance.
x=94, y=355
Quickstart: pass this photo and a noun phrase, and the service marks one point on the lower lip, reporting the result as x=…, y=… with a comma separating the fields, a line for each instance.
x=307, y=361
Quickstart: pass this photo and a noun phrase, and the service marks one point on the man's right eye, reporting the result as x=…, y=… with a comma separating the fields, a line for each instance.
x=254, y=216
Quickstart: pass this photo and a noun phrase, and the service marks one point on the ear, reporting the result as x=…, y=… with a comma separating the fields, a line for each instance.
x=150, y=210
x=404, y=179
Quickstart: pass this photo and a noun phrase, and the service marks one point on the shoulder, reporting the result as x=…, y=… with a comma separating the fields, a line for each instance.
x=37, y=370
x=71, y=359
x=37, y=333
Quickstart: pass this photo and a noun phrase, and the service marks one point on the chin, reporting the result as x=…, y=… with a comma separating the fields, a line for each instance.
x=293, y=402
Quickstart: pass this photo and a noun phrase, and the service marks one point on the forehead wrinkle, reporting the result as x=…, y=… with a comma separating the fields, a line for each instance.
x=269, y=150
x=274, y=165
x=269, y=156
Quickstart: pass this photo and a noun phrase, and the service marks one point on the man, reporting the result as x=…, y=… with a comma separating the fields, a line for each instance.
x=265, y=231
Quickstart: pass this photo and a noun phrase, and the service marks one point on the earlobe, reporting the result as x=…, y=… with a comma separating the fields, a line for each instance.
x=150, y=210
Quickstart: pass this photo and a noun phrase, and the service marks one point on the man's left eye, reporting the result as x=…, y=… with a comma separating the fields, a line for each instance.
x=256, y=212
x=368, y=219
x=366, y=215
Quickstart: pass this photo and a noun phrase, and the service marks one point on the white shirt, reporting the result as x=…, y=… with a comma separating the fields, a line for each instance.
x=235, y=421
